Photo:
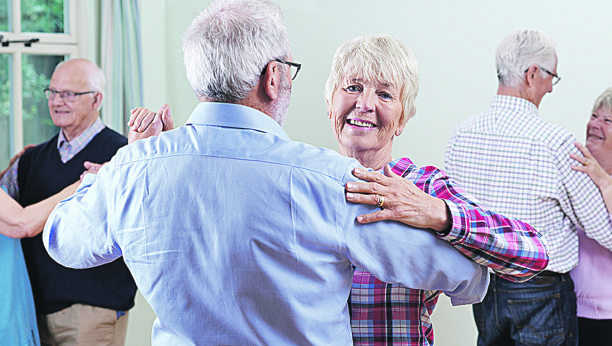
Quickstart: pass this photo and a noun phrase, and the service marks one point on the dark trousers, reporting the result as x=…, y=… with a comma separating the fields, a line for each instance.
x=541, y=311
x=594, y=332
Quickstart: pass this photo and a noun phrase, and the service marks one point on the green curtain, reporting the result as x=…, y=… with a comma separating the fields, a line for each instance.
x=121, y=60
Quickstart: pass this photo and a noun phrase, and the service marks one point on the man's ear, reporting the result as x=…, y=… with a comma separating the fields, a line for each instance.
x=530, y=75
x=98, y=97
x=271, y=80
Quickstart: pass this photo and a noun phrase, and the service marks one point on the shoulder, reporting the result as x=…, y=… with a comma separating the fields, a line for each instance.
x=109, y=134
x=425, y=177
x=39, y=149
x=243, y=145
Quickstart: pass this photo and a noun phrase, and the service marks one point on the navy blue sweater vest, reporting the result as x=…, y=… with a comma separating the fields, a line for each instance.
x=41, y=174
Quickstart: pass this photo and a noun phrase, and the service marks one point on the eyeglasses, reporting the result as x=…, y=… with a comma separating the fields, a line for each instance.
x=555, y=78
x=294, y=66
x=68, y=96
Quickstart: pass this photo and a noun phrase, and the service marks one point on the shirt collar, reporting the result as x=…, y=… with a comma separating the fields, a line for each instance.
x=517, y=103
x=236, y=116
x=80, y=141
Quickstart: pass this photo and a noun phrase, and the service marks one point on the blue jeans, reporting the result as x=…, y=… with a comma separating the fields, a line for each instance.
x=541, y=311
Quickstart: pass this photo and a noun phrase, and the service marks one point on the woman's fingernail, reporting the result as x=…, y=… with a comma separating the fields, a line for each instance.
x=349, y=195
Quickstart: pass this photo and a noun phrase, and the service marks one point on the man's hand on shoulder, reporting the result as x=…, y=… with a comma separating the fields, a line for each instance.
x=145, y=123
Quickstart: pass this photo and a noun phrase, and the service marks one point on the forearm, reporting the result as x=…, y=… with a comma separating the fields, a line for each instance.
x=512, y=248
x=18, y=222
x=76, y=235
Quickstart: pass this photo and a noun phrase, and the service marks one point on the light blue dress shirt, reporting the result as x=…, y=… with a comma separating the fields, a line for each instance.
x=236, y=235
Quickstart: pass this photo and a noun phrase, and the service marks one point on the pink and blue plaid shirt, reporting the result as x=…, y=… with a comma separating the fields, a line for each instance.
x=389, y=314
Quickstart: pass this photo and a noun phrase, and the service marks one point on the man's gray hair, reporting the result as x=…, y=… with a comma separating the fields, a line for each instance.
x=377, y=58
x=519, y=51
x=604, y=101
x=227, y=46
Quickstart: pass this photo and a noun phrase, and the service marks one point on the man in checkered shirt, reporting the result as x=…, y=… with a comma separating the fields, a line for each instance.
x=519, y=165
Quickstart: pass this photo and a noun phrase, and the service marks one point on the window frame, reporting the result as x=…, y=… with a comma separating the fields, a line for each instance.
x=66, y=44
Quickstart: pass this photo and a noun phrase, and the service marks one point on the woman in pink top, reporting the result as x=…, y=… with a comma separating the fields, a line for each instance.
x=593, y=276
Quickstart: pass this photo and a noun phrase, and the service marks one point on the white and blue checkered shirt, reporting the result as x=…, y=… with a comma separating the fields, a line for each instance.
x=519, y=165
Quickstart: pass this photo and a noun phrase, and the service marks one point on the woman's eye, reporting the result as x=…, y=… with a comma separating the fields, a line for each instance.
x=385, y=96
x=353, y=88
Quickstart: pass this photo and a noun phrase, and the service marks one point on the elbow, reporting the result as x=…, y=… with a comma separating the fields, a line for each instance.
x=28, y=232
x=22, y=228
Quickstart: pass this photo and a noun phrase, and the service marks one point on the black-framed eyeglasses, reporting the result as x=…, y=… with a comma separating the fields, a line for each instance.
x=68, y=96
x=294, y=66
x=555, y=78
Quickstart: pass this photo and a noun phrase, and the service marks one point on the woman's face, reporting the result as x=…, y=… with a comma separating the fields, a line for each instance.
x=365, y=114
x=599, y=133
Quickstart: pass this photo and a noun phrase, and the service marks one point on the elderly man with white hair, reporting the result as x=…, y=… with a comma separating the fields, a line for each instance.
x=73, y=307
x=519, y=165
x=235, y=234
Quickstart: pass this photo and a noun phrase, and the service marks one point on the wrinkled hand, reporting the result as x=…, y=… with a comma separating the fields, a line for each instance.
x=91, y=167
x=593, y=168
x=145, y=123
x=14, y=158
x=403, y=201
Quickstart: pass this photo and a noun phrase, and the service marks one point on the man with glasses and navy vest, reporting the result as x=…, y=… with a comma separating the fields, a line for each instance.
x=74, y=307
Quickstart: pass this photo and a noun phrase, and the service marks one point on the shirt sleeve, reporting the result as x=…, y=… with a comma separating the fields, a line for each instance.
x=78, y=233
x=511, y=248
x=415, y=258
x=9, y=180
x=581, y=199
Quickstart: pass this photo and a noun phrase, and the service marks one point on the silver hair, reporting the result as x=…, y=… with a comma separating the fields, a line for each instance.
x=229, y=43
x=520, y=50
x=377, y=58
x=95, y=76
x=604, y=101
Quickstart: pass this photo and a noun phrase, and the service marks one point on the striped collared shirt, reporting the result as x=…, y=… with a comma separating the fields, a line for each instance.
x=390, y=314
x=519, y=165
x=67, y=150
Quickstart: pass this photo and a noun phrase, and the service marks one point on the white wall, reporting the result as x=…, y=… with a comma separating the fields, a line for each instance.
x=454, y=42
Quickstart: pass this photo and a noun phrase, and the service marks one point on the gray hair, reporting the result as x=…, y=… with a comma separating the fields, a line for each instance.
x=604, y=101
x=377, y=58
x=520, y=50
x=229, y=43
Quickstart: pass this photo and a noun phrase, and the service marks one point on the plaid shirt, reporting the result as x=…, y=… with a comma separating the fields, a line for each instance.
x=389, y=314
x=67, y=151
x=519, y=165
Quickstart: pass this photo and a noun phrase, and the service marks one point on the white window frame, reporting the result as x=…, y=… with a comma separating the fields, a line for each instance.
x=67, y=44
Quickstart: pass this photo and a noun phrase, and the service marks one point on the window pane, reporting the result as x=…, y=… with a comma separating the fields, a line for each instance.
x=5, y=11
x=5, y=110
x=37, y=124
x=43, y=16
